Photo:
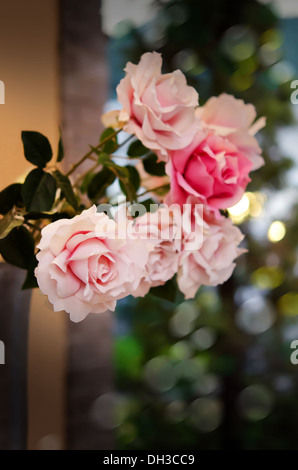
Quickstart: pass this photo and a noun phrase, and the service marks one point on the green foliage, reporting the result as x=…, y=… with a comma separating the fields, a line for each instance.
x=167, y=292
x=37, y=148
x=128, y=356
x=39, y=191
x=8, y=223
x=136, y=149
x=109, y=139
x=9, y=197
x=103, y=158
x=99, y=183
x=153, y=166
x=65, y=185
x=60, y=153
x=86, y=181
x=18, y=248
x=131, y=185
x=147, y=203
x=128, y=177
x=30, y=280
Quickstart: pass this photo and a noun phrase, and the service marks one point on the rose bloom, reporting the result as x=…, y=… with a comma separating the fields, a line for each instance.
x=213, y=263
x=159, y=231
x=159, y=108
x=84, y=266
x=232, y=118
x=215, y=167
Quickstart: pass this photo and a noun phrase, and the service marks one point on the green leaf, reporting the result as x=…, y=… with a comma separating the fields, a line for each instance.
x=152, y=166
x=39, y=191
x=60, y=153
x=62, y=215
x=64, y=184
x=8, y=223
x=136, y=149
x=37, y=148
x=147, y=203
x=108, y=132
x=120, y=171
x=111, y=144
x=99, y=183
x=103, y=158
x=130, y=186
x=18, y=247
x=134, y=176
x=86, y=181
x=162, y=190
x=9, y=197
x=167, y=292
x=31, y=281
x=40, y=215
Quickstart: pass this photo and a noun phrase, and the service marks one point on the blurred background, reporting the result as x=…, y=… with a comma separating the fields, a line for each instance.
x=215, y=372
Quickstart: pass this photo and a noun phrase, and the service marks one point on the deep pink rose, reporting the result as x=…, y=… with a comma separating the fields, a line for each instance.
x=212, y=169
x=84, y=266
x=159, y=108
x=213, y=263
x=215, y=166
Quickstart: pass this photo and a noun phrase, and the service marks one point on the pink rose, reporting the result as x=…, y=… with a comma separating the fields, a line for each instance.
x=159, y=231
x=212, y=169
x=215, y=166
x=213, y=263
x=159, y=108
x=84, y=266
x=232, y=118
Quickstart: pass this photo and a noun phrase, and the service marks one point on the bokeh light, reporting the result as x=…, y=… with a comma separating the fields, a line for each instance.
x=203, y=338
x=190, y=369
x=251, y=204
x=268, y=277
x=281, y=72
x=127, y=433
x=50, y=442
x=160, y=374
x=288, y=304
x=109, y=410
x=238, y=43
x=182, y=321
x=206, y=414
x=186, y=60
x=239, y=211
x=207, y=384
x=255, y=402
x=255, y=315
x=175, y=411
x=276, y=232
x=180, y=350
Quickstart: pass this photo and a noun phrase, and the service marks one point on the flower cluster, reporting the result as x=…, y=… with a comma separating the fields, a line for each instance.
x=87, y=263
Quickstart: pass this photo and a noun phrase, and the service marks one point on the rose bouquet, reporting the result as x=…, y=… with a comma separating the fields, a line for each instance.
x=184, y=164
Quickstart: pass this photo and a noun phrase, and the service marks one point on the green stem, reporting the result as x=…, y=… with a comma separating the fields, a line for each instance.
x=89, y=154
x=153, y=189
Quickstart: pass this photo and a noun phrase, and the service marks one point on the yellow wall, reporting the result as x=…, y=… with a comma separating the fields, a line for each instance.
x=29, y=70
